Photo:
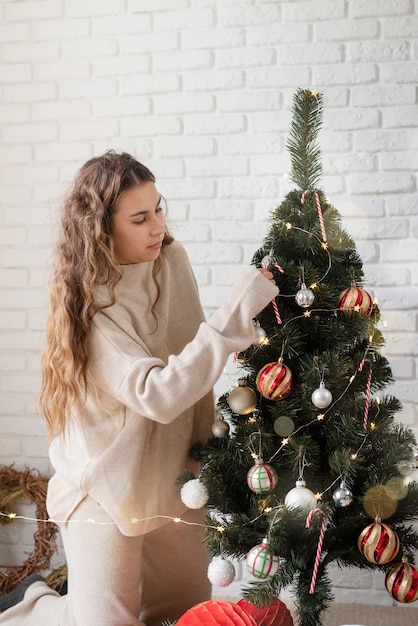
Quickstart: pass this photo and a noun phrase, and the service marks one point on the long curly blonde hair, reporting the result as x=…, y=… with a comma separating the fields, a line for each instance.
x=84, y=258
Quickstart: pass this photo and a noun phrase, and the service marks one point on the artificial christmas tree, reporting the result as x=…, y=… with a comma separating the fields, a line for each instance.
x=321, y=426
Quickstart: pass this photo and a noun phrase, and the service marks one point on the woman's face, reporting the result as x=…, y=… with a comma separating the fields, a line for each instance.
x=138, y=224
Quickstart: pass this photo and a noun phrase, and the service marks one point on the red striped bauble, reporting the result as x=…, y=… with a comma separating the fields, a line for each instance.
x=378, y=543
x=401, y=582
x=274, y=380
x=355, y=299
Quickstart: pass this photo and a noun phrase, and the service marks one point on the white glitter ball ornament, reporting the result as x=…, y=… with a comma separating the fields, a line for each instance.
x=221, y=572
x=194, y=494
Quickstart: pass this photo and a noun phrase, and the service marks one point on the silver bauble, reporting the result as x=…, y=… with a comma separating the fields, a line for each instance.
x=259, y=335
x=220, y=428
x=300, y=497
x=342, y=496
x=266, y=261
x=242, y=399
x=321, y=397
x=304, y=297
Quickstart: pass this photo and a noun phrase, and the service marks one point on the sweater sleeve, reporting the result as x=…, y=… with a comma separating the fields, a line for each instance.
x=160, y=391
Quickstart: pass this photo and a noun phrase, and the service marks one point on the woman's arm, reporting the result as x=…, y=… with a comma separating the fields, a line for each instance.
x=123, y=368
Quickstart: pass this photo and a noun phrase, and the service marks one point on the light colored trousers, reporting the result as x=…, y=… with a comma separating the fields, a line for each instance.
x=116, y=580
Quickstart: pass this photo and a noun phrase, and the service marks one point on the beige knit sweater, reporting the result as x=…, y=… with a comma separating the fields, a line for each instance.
x=150, y=392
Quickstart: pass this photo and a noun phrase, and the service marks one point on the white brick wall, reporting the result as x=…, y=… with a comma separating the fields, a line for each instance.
x=201, y=90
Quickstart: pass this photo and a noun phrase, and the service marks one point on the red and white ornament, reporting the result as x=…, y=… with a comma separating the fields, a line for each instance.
x=300, y=497
x=378, y=543
x=319, y=546
x=261, y=562
x=355, y=299
x=401, y=582
x=221, y=572
x=194, y=494
x=274, y=380
x=242, y=399
x=261, y=477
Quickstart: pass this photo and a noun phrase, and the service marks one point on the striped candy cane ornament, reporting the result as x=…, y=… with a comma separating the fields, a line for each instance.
x=319, y=209
x=276, y=311
x=368, y=390
x=267, y=262
x=367, y=402
x=319, y=547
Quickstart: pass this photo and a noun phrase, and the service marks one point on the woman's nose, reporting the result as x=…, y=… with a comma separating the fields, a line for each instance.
x=157, y=226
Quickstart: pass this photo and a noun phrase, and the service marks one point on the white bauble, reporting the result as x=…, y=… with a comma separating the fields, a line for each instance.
x=300, y=497
x=194, y=494
x=321, y=397
x=221, y=572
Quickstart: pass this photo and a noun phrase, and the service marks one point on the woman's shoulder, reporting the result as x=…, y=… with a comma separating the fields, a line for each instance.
x=175, y=252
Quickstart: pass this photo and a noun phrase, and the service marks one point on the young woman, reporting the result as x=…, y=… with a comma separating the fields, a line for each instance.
x=128, y=371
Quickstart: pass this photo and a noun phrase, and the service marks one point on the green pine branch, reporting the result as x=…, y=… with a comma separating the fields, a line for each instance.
x=305, y=154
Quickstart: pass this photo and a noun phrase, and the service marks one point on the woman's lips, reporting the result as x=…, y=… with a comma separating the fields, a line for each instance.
x=156, y=246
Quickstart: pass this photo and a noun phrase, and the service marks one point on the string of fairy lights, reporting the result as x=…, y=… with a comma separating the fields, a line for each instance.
x=286, y=440
x=221, y=576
